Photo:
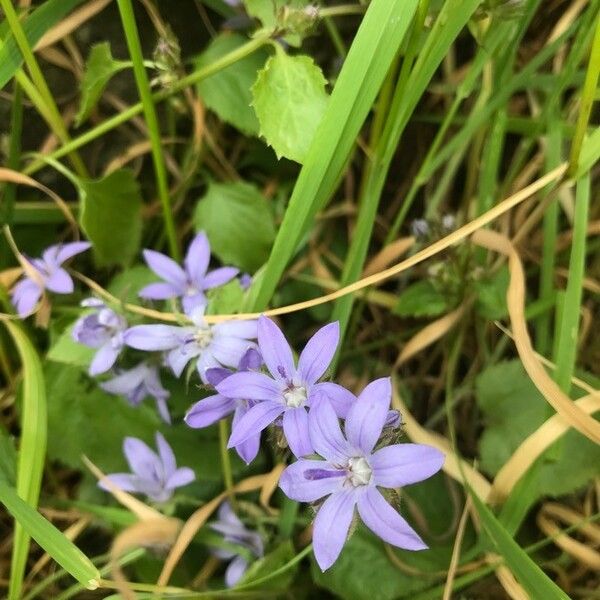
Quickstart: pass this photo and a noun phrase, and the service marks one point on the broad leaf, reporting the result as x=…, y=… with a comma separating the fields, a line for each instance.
x=421, y=299
x=263, y=567
x=289, y=100
x=491, y=294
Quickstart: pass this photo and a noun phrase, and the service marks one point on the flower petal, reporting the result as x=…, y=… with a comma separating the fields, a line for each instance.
x=180, y=477
x=330, y=530
x=297, y=483
x=158, y=291
x=235, y=571
x=243, y=329
x=153, y=337
x=66, y=251
x=208, y=411
x=192, y=303
x=166, y=268
x=275, y=350
x=254, y=421
x=179, y=357
x=60, y=282
x=125, y=382
x=251, y=361
x=124, y=481
x=318, y=353
x=206, y=362
x=229, y=350
x=25, y=296
x=142, y=460
x=295, y=428
x=166, y=455
x=385, y=522
x=104, y=359
x=341, y=399
x=325, y=433
x=217, y=374
x=247, y=450
x=197, y=258
x=250, y=386
x=219, y=277
x=403, y=464
x=367, y=415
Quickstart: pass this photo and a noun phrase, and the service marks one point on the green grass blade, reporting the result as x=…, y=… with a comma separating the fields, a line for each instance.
x=64, y=552
x=536, y=583
x=32, y=448
x=373, y=49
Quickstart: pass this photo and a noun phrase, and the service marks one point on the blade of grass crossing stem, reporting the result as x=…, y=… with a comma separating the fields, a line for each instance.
x=454, y=15
x=141, y=79
x=60, y=548
x=371, y=54
x=32, y=448
x=535, y=582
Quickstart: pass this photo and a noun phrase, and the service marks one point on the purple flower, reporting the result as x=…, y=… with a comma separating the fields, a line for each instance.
x=210, y=410
x=137, y=383
x=290, y=390
x=188, y=283
x=52, y=276
x=245, y=281
x=104, y=330
x=212, y=345
x=234, y=532
x=352, y=471
x=155, y=475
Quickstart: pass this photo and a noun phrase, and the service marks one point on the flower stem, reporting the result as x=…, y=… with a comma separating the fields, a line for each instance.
x=143, y=85
x=226, y=459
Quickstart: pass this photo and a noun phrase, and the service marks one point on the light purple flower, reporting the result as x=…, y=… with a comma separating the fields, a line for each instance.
x=210, y=410
x=245, y=281
x=234, y=532
x=52, y=276
x=352, y=471
x=290, y=390
x=190, y=282
x=154, y=474
x=138, y=383
x=212, y=345
x=104, y=330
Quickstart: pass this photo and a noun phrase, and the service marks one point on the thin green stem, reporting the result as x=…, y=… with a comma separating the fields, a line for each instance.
x=39, y=81
x=225, y=458
x=587, y=100
x=143, y=85
x=341, y=10
x=14, y=154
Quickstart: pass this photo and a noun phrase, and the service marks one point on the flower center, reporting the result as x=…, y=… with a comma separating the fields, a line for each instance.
x=203, y=337
x=359, y=471
x=295, y=396
x=191, y=290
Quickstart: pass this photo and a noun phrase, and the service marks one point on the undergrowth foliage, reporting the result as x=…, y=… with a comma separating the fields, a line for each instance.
x=299, y=299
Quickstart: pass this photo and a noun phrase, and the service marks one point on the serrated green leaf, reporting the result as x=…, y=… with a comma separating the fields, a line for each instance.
x=236, y=211
x=421, y=299
x=227, y=92
x=111, y=217
x=99, y=68
x=289, y=98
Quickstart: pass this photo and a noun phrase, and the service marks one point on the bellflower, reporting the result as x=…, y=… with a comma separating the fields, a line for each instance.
x=289, y=390
x=352, y=471
x=52, y=276
x=234, y=532
x=210, y=410
x=218, y=345
x=188, y=283
x=138, y=383
x=154, y=474
x=104, y=330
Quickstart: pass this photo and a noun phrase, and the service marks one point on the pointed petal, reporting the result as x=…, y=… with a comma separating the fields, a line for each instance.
x=159, y=291
x=295, y=428
x=163, y=410
x=341, y=399
x=318, y=353
x=166, y=268
x=124, y=481
x=66, y=251
x=193, y=303
x=197, y=258
x=25, y=296
x=297, y=483
x=235, y=571
x=325, y=433
x=165, y=452
x=250, y=386
x=219, y=277
x=142, y=460
x=208, y=411
x=153, y=337
x=229, y=350
x=251, y=361
x=275, y=350
x=216, y=374
x=331, y=527
x=403, y=464
x=386, y=523
x=367, y=415
x=254, y=421
x=124, y=383
x=104, y=359
x=247, y=450
x=237, y=328
x=179, y=357
x=180, y=477
x=60, y=282
x=206, y=361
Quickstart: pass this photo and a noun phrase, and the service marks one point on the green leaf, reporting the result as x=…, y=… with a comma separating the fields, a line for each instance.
x=289, y=98
x=491, y=294
x=35, y=26
x=268, y=564
x=8, y=457
x=227, y=92
x=513, y=409
x=270, y=12
x=529, y=575
x=225, y=299
x=111, y=217
x=99, y=68
x=66, y=350
x=236, y=211
x=63, y=551
x=126, y=285
x=421, y=299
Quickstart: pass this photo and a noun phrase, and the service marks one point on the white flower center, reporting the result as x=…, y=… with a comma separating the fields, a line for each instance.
x=295, y=397
x=191, y=290
x=359, y=471
x=203, y=337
